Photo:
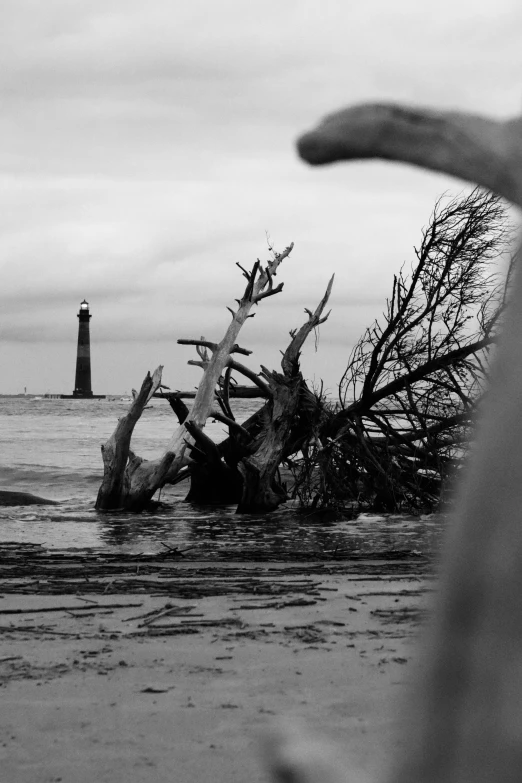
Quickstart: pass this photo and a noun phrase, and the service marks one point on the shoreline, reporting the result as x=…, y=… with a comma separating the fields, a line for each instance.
x=154, y=683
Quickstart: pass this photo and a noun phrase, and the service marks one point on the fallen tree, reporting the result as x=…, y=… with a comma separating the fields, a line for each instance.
x=261, y=489
x=129, y=481
x=244, y=468
x=405, y=403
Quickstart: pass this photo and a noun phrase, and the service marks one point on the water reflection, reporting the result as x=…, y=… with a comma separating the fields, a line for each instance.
x=286, y=535
x=216, y=533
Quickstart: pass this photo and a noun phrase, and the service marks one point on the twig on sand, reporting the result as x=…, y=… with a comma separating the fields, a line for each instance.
x=68, y=608
x=24, y=629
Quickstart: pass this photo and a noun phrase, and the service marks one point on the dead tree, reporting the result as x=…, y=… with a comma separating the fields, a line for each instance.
x=408, y=394
x=243, y=469
x=127, y=476
x=130, y=482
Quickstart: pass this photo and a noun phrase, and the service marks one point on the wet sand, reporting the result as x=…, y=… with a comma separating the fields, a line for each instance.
x=181, y=688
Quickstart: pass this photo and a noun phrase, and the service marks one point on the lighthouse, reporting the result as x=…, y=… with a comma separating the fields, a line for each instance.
x=82, y=383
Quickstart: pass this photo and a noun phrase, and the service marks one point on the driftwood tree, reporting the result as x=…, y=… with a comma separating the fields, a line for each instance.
x=288, y=390
x=129, y=481
x=244, y=468
x=467, y=716
x=409, y=391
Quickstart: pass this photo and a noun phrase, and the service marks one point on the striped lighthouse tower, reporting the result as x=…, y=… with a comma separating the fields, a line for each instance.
x=82, y=383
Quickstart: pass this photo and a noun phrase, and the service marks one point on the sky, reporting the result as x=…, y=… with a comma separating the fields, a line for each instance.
x=148, y=147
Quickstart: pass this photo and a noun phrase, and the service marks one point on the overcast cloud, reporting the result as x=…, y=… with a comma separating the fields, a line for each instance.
x=147, y=147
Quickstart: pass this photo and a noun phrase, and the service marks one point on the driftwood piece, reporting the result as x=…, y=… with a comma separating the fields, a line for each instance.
x=259, y=286
x=290, y=360
x=90, y=607
x=468, y=714
x=239, y=442
x=14, y=498
x=477, y=149
x=128, y=480
x=261, y=490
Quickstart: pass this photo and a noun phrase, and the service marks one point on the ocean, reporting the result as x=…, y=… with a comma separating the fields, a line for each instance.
x=51, y=447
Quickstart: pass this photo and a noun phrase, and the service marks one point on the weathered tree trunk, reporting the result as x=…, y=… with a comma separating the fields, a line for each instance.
x=261, y=490
x=128, y=480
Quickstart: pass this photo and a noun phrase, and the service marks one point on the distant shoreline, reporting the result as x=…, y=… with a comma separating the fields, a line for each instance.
x=48, y=396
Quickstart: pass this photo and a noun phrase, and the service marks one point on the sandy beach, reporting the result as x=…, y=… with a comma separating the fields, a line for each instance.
x=130, y=685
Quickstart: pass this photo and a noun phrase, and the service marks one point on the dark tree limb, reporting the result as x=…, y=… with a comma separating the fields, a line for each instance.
x=402, y=382
x=290, y=361
x=254, y=377
x=211, y=480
